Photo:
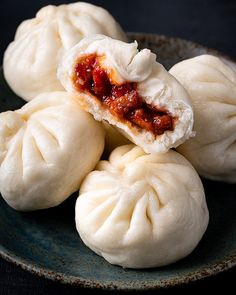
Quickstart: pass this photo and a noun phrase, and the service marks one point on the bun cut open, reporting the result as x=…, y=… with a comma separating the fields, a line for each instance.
x=127, y=88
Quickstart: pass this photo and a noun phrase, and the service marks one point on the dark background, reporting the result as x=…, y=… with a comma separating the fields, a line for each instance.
x=210, y=22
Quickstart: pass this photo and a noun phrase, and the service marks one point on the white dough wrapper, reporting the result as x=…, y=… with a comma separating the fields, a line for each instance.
x=142, y=210
x=31, y=60
x=46, y=149
x=113, y=138
x=123, y=64
x=211, y=84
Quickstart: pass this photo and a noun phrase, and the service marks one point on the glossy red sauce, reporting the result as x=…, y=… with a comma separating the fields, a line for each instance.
x=123, y=100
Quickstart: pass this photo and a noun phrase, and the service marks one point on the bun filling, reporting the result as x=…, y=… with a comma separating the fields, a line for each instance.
x=122, y=100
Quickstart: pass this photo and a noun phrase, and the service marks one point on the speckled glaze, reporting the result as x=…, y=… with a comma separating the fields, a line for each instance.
x=46, y=242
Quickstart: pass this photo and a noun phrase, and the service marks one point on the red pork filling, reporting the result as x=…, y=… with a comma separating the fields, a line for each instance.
x=123, y=101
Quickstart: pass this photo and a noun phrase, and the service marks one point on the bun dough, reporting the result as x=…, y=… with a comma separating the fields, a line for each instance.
x=30, y=61
x=113, y=138
x=46, y=149
x=211, y=84
x=139, y=210
x=124, y=63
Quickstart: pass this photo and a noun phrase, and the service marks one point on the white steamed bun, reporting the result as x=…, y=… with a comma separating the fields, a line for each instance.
x=46, y=149
x=211, y=84
x=139, y=210
x=31, y=60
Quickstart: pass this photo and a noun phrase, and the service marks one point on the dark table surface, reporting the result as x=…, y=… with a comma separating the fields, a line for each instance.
x=209, y=22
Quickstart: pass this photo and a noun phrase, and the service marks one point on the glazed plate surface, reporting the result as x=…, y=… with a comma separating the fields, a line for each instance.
x=46, y=242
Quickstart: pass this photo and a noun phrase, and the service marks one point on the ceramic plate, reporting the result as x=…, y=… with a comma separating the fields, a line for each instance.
x=47, y=244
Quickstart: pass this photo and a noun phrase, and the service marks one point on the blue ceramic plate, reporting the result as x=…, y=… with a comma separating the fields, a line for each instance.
x=47, y=244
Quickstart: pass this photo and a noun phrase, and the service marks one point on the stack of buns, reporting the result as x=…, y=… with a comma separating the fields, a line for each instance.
x=143, y=205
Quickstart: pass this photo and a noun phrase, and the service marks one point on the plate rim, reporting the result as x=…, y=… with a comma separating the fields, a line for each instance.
x=211, y=270
x=208, y=270
x=209, y=50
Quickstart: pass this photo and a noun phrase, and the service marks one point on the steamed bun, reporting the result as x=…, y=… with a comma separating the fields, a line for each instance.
x=46, y=149
x=139, y=210
x=129, y=89
x=211, y=84
x=30, y=61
